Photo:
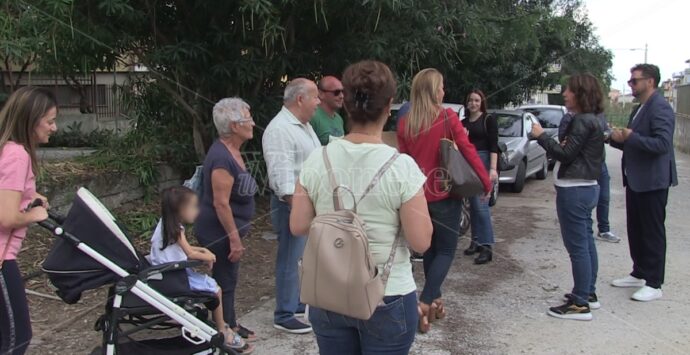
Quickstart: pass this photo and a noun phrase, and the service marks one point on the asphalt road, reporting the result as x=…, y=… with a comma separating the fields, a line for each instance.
x=500, y=308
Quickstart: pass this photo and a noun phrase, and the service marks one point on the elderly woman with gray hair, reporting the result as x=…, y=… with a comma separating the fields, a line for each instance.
x=227, y=201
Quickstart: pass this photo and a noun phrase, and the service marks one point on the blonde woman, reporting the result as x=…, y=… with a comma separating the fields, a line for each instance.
x=419, y=134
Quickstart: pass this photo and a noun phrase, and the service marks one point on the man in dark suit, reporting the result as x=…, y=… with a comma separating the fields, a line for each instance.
x=649, y=169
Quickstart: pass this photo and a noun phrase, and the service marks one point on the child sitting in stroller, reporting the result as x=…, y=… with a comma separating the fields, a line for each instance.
x=180, y=206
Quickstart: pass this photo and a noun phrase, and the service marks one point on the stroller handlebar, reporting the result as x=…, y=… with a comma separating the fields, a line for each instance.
x=51, y=215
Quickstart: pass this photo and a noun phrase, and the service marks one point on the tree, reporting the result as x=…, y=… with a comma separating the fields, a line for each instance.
x=22, y=38
x=200, y=51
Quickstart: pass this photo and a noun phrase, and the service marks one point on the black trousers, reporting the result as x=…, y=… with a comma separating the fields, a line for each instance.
x=15, y=322
x=646, y=214
x=226, y=275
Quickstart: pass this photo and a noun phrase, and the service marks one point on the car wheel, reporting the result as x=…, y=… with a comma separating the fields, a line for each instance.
x=494, y=195
x=464, y=217
x=541, y=174
x=520, y=177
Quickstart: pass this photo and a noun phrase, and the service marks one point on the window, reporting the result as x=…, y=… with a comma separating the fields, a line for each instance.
x=509, y=125
x=548, y=117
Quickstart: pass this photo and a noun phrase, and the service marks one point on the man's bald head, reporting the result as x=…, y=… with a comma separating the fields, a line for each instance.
x=331, y=94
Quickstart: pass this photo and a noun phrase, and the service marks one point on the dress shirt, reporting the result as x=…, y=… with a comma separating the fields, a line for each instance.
x=287, y=143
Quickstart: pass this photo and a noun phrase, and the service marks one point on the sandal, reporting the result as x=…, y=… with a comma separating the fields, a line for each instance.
x=423, y=310
x=245, y=333
x=239, y=345
x=440, y=310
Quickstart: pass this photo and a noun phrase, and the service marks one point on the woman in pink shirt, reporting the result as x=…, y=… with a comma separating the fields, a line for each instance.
x=26, y=120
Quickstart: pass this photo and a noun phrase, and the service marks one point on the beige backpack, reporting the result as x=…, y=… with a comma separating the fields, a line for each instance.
x=337, y=272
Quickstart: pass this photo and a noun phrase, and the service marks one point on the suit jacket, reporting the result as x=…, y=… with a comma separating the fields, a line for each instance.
x=649, y=162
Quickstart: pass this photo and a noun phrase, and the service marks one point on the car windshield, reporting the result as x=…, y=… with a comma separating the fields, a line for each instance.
x=548, y=117
x=509, y=125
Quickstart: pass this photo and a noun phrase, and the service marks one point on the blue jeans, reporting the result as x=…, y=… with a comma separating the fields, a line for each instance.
x=604, y=199
x=480, y=214
x=574, y=206
x=445, y=218
x=290, y=249
x=390, y=330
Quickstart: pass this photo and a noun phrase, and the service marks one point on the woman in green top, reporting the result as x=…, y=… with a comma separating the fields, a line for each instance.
x=396, y=201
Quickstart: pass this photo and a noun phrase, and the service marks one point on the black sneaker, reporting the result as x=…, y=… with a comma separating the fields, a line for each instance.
x=570, y=310
x=593, y=300
x=293, y=326
x=416, y=257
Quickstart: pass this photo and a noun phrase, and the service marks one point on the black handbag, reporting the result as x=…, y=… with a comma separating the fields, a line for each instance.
x=458, y=176
x=503, y=163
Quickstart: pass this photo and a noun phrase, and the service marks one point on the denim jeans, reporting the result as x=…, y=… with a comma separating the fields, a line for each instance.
x=574, y=206
x=290, y=249
x=390, y=330
x=604, y=199
x=480, y=214
x=445, y=218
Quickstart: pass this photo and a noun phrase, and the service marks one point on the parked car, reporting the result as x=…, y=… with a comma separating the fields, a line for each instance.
x=549, y=117
x=527, y=155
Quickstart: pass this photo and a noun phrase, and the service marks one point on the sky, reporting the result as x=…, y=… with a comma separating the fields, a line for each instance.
x=662, y=25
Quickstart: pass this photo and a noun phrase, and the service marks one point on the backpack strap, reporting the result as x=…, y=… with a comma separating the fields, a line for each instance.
x=389, y=263
x=337, y=202
x=375, y=180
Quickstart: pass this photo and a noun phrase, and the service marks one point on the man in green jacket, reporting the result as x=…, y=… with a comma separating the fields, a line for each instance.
x=327, y=122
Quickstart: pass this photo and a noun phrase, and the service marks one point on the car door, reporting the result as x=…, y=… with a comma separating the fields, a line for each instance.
x=534, y=150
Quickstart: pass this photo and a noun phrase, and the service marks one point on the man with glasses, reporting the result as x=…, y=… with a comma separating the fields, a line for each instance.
x=649, y=169
x=327, y=122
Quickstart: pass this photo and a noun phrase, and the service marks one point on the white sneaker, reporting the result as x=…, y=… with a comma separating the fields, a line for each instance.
x=628, y=281
x=646, y=294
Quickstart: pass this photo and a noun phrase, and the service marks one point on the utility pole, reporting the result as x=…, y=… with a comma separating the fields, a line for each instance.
x=645, y=52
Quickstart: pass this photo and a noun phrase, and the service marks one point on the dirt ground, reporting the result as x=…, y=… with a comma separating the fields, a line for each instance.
x=499, y=308
x=60, y=328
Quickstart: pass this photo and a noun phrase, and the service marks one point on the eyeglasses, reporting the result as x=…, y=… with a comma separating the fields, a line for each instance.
x=245, y=120
x=633, y=81
x=334, y=92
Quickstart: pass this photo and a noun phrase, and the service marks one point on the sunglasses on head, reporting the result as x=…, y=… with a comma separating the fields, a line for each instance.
x=634, y=81
x=334, y=92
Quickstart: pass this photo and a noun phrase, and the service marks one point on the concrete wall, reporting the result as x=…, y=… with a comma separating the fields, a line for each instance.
x=114, y=190
x=90, y=122
x=681, y=137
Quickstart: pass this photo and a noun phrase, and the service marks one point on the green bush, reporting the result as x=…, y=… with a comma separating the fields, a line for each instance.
x=72, y=136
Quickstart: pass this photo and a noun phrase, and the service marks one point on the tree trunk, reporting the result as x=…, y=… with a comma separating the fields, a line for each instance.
x=199, y=147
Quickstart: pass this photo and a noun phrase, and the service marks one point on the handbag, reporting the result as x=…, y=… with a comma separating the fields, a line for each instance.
x=458, y=176
x=196, y=182
x=503, y=163
x=337, y=272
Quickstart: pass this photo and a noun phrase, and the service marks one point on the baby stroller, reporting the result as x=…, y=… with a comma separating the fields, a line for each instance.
x=91, y=251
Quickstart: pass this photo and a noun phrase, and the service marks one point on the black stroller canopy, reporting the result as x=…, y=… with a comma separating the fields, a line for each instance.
x=69, y=269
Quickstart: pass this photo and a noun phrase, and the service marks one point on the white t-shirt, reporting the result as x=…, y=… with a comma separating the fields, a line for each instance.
x=354, y=166
x=171, y=253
